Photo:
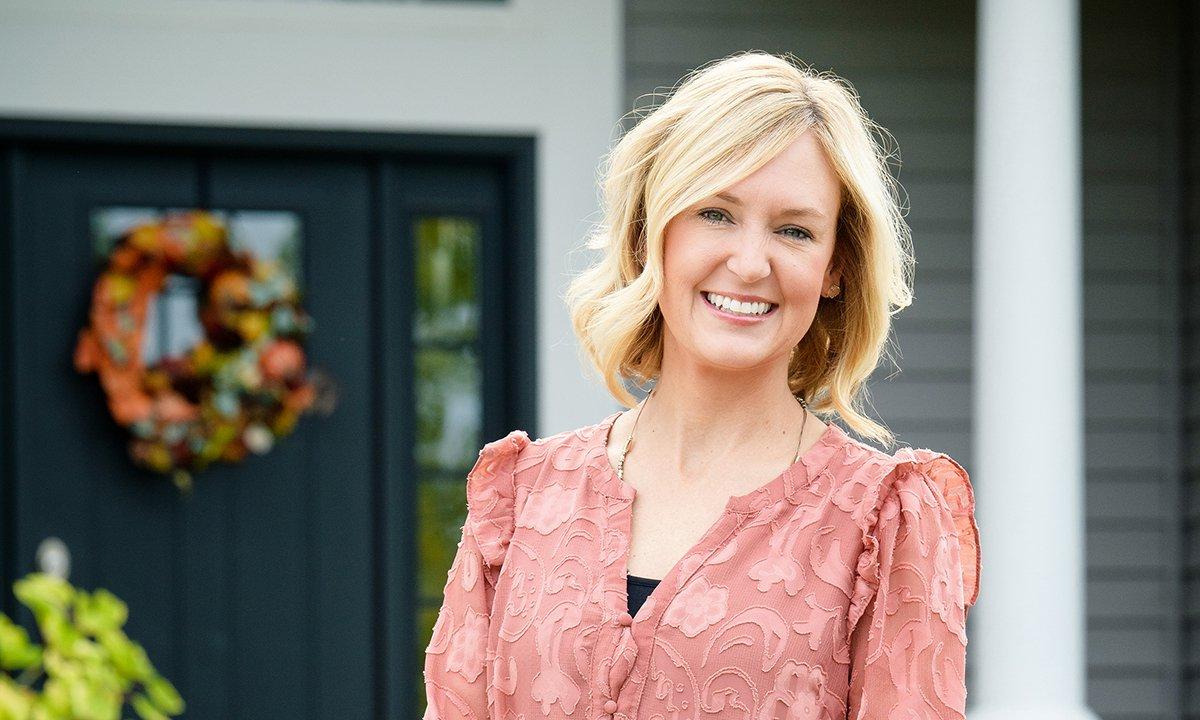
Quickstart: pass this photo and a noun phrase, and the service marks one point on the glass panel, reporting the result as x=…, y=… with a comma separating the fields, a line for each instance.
x=446, y=271
x=442, y=504
x=448, y=408
x=269, y=234
x=448, y=401
x=172, y=325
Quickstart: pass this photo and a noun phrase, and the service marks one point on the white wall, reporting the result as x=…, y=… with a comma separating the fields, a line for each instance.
x=545, y=68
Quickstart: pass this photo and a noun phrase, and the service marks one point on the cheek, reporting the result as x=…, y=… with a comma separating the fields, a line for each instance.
x=802, y=281
x=684, y=262
x=675, y=243
x=810, y=285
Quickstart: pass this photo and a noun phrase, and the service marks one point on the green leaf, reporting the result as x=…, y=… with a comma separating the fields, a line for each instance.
x=145, y=709
x=128, y=657
x=57, y=629
x=90, y=665
x=56, y=696
x=16, y=650
x=99, y=611
x=39, y=591
x=16, y=701
x=59, y=665
x=92, y=701
x=164, y=695
x=86, y=650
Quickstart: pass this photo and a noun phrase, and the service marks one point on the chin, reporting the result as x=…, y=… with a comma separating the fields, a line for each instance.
x=733, y=359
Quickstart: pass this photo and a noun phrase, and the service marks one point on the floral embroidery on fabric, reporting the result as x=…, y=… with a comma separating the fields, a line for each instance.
x=546, y=509
x=467, y=570
x=838, y=590
x=775, y=569
x=780, y=565
x=466, y=654
x=697, y=607
x=769, y=629
x=797, y=695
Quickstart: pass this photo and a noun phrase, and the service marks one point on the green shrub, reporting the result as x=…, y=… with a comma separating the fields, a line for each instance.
x=87, y=670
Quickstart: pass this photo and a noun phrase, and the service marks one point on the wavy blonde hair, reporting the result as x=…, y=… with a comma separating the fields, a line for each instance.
x=723, y=121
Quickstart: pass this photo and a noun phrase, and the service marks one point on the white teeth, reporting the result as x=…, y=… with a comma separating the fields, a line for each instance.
x=735, y=306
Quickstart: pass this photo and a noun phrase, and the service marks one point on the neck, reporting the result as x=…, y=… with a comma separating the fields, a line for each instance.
x=697, y=420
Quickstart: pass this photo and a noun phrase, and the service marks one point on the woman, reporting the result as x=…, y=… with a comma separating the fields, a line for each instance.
x=752, y=254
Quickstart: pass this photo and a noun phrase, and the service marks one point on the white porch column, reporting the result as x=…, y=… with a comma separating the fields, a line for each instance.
x=1026, y=647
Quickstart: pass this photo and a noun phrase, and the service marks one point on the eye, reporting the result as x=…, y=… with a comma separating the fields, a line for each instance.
x=804, y=234
x=708, y=216
x=705, y=214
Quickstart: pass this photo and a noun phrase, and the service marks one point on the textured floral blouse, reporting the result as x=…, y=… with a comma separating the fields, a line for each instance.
x=839, y=589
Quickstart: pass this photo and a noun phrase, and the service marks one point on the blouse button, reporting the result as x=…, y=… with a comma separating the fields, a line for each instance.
x=610, y=706
x=625, y=619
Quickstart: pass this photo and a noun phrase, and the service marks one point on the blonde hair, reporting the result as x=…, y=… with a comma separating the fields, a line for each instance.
x=724, y=121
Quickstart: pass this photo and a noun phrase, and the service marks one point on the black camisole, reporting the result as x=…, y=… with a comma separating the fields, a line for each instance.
x=639, y=589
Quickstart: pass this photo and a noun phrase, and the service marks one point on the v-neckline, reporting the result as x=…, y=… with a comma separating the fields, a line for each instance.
x=795, y=476
x=786, y=484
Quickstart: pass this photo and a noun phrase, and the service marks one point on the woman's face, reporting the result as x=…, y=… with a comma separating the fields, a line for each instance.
x=744, y=241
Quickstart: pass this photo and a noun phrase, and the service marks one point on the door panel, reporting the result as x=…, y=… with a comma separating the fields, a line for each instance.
x=72, y=475
x=299, y=519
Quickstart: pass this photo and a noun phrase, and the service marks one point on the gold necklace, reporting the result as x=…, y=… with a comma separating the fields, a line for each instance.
x=629, y=440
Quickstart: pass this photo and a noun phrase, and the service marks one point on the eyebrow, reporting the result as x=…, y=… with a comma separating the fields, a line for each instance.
x=805, y=211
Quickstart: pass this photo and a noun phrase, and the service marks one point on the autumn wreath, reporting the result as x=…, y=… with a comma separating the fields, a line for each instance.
x=238, y=389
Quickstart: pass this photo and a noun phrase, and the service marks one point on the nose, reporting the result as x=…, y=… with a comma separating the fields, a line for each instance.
x=750, y=257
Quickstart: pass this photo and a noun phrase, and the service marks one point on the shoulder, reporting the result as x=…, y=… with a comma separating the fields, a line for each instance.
x=491, y=494
x=915, y=489
x=879, y=476
x=505, y=472
x=943, y=488
x=509, y=459
x=936, y=485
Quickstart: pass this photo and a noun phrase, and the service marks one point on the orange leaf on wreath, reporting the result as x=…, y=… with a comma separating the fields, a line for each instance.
x=282, y=360
x=130, y=408
x=171, y=407
x=87, y=353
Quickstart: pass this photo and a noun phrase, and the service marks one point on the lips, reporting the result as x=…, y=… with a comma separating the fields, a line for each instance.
x=732, y=315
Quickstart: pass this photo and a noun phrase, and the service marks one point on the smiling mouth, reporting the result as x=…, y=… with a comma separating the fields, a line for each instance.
x=771, y=308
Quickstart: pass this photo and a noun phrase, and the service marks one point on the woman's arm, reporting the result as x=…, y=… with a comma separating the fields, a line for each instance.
x=456, y=673
x=908, y=650
x=457, y=670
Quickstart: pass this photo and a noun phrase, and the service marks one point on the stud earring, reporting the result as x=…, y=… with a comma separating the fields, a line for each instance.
x=833, y=291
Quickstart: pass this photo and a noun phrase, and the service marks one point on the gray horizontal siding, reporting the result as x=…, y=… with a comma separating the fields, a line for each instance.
x=1137, y=656
x=1187, y=225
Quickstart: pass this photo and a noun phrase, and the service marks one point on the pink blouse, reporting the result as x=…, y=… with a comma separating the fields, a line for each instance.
x=839, y=589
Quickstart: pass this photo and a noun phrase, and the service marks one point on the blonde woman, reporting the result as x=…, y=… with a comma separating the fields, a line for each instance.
x=718, y=550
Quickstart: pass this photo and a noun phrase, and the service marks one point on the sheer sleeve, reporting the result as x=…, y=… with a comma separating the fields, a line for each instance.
x=917, y=578
x=456, y=662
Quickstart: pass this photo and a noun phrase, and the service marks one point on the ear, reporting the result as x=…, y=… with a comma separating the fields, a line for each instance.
x=833, y=276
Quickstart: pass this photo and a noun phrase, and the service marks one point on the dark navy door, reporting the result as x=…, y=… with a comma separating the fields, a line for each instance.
x=297, y=583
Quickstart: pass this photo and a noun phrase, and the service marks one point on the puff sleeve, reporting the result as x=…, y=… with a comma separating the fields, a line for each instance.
x=456, y=662
x=917, y=577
